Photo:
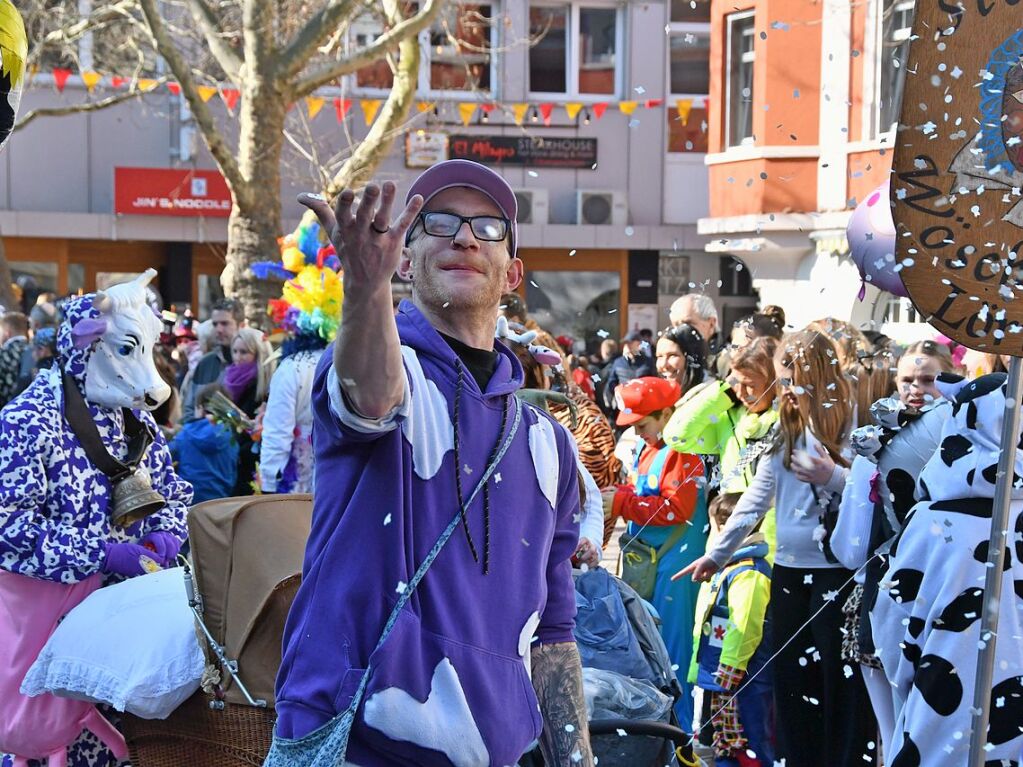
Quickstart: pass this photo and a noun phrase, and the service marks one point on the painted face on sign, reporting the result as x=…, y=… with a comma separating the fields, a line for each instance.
x=1012, y=108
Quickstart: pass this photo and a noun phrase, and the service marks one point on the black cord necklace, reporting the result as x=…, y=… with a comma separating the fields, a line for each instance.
x=486, y=487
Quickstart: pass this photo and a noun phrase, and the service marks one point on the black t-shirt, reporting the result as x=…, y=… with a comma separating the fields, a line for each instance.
x=480, y=363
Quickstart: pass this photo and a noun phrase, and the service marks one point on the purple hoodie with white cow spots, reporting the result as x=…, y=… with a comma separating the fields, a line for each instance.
x=451, y=684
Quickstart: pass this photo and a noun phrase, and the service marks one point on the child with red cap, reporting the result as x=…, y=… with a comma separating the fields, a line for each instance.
x=665, y=505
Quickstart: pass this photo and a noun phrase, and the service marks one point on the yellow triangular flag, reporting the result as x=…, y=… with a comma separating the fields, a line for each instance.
x=519, y=110
x=684, y=107
x=314, y=104
x=572, y=108
x=370, y=107
x=425, y=106
x=206, y=92
x=90, y=79
x=146, y=84
x=627, y=107
x=466, y=109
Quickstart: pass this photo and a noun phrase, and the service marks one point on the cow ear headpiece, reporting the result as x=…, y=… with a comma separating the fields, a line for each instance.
x=542, y=354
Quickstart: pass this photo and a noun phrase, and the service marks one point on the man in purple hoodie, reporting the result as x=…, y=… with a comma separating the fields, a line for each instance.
x=411, y=411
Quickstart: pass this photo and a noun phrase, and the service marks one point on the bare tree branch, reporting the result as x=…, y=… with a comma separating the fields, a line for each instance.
x=214, y=140
x=319, y=28
x=402, y=31
x=225, y=55
x=89, y=106
x=102, y=15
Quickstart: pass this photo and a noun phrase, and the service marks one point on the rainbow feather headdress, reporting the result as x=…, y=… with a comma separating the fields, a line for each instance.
x=309, y=309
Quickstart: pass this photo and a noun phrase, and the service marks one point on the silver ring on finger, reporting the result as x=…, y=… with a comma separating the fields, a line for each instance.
x=375, y=228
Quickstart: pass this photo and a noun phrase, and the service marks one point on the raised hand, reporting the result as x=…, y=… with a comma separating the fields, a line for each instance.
x=367, y=243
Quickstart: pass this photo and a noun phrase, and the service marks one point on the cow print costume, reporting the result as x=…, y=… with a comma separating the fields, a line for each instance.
x=926, y=622
x=54, y=517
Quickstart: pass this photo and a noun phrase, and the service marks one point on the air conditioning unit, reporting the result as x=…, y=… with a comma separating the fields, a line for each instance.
x=532, y=206
x=601, y=208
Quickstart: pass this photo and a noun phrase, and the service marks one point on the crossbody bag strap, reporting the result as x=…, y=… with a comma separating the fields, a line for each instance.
x=332, y=752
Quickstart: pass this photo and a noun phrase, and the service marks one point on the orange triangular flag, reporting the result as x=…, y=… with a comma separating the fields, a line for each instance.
x=466, y=109
x=627, y=107
x=684, y=107
x=230, y=97
x=572, y=108
x=147, y=84
x=370, y=107
x=341, y=106
x=206, y=92
x=60, y=76
x=90, y=79
x=314, y=104
x=519, y=111
x=598, y=109
x=425, y=106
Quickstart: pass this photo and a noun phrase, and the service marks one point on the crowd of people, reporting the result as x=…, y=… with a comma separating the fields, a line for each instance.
x=761, y=480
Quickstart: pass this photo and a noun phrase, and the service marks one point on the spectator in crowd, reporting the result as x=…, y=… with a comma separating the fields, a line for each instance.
x=44, y=313
x=247, y=382
x=635, y=362
x=168, y=415
x=16, y=359
x=514, y=309
x=776, y=313
x=579, y=367
x=849, y=342
x=697, y=310
x=44, y=349
x=755, y=326
x=226, y=318
x=665, y=505
x=732, y=640
x=601, y=365
x=206, y=452
x=823, y=714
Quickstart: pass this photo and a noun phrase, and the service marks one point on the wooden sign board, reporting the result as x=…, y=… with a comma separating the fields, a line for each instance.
x=958, y=172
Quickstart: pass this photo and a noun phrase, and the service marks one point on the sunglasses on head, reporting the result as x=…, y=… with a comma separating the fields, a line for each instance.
x=443, y=224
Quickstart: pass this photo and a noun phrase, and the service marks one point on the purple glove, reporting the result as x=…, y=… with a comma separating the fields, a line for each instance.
x=164, y=547
x=124, y=559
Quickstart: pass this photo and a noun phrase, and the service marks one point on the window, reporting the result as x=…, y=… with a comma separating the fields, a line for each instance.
x=734, y=276
x=739, y=88
x=456, y=51
x=689, y=74
x=894, y=31
x=576, y=50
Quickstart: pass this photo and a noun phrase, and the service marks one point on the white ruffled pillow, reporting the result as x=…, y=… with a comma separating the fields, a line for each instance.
x=131, y=645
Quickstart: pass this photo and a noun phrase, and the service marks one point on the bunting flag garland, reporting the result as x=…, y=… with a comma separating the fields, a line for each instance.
x=230, y=97
x=147, y=84
x=426, y=106
x=91, y=79
x=487, y=108
x=627, y=107
x=684, y=107
x=314, y=104
x=573, y=108
x=174, y=88
x=651, y=103
x=370, y=107
x=466, y=110
x=206, y=92
x=118, y=82
x=546, y=110
x=519, y=111
x=598, y=109
x=60, y=76
x=341, y=106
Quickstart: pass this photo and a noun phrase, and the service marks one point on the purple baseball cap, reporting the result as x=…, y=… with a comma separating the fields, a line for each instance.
x=451, y=173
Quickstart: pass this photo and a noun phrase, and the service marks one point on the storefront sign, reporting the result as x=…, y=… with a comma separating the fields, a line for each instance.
x=425, y=148
x=547, y=152
x=958, y=171
x=171, y=192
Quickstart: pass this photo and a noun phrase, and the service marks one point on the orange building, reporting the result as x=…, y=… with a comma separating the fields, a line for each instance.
x=804, y=98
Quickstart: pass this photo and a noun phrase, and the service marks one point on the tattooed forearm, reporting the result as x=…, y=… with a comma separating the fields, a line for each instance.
x=558, y=680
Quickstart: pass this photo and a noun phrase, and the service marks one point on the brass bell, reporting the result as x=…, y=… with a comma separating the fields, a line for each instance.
x=134, y=499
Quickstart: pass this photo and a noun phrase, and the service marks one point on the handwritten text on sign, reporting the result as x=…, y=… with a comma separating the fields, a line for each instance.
x=958, y=174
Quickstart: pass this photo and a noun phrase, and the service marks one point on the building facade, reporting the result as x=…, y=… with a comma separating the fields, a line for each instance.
x=595, y=112
x=804, y=100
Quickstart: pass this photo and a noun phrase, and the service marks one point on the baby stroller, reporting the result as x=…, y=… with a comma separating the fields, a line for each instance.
x=630, y=687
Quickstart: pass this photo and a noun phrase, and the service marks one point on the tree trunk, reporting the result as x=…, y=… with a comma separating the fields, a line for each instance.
x=7, y=299
x=255, y=223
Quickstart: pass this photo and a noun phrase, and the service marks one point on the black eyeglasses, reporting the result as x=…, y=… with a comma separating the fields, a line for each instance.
x=440, y=224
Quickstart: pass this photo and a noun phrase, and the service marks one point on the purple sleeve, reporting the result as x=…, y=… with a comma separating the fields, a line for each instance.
x=172, y=518
x=558, y=619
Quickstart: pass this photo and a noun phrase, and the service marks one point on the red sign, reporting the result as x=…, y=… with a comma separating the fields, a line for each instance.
x=171, y=192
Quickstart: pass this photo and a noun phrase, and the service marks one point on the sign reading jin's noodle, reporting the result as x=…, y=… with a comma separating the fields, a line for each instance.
x=958, y=172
